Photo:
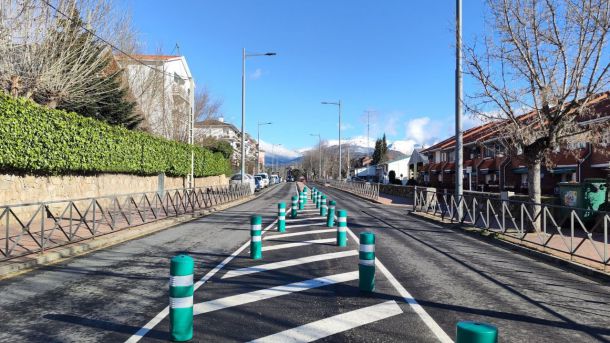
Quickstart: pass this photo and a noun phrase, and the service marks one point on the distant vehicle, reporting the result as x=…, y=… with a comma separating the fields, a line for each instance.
x=265, y=178
x=258, y=182
x=275, y=179
x=249, y=179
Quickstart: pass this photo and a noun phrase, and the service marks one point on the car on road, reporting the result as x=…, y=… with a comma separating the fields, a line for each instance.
x=265, y=178
x=249, y=179
x=258, y=181
x=275, y=179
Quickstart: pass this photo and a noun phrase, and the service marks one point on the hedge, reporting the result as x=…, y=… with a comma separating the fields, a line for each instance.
x=38, y=140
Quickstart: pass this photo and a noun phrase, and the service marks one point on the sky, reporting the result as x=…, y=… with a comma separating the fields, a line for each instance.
x=393, y=57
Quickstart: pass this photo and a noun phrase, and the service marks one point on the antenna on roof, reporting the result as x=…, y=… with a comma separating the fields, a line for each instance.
x=177, y=49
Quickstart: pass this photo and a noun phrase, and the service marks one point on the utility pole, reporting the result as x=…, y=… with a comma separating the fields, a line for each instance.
x=338, y=103
x=459, y=170
x=368, y=131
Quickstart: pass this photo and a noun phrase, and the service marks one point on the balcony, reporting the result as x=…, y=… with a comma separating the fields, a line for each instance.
x=180, y=93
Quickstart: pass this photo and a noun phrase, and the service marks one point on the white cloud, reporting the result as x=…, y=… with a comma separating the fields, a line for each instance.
x=406, y=146
x=257, y=74
x=345, y=126
x=278, y=150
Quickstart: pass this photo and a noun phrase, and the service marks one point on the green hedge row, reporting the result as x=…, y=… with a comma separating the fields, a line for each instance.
x=38, y=140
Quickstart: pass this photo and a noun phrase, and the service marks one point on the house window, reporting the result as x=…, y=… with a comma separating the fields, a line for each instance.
x=451, y=156
x=489, y=152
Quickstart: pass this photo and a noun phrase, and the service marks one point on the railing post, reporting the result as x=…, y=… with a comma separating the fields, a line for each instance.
x=42, y=213
x=93, y=204
x=415, y=199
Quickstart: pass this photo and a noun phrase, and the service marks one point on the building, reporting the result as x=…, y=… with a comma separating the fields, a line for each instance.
x=163, y=89
x=488, y=167
x=221, y=130
x=399, y=166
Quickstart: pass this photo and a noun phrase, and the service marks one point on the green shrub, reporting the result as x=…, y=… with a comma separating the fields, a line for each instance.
x=38, y=140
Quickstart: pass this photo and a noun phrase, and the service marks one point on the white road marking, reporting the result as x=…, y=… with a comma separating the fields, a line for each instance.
x=288, y=221
x=417, y=308
x=288, y=263
x=305, y=225
x=335, y=324
x=301, y=233
x=299, y=244
x=246, y=298
x=165, y=312
x=312, y=210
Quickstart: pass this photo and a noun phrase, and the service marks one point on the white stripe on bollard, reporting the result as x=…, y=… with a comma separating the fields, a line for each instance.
x=367, y=262
x=256, y=238
x=179, y=281
x=342, y=220
x=342, y=229
x=281, y=217
x=185, y=302
x=256, y=227
x=367, y=247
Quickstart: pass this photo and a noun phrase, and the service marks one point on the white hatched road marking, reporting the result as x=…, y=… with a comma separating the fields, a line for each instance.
x=302, y=219
x=305, y=225
x=302, y=233
x=335, y=324
x=136, y=337
x=288, y=263
x=299, y=244
x=312, y=210
x=246, y=298
x=417, y=308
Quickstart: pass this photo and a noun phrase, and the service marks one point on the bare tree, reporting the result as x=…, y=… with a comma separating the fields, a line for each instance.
x=542, y=65
x=206, y=107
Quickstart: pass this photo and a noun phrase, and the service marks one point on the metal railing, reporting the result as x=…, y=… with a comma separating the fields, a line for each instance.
x=364, y=189
x=36, y=227
x=576, y=234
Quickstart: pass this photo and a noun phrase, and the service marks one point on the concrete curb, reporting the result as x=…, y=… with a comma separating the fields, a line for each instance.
x=10, y=269
x=489, y=237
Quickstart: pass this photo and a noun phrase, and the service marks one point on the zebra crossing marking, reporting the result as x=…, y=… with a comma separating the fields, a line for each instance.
x=273, y=292
x=288, y=263
x=329, y=326
x=298, y=244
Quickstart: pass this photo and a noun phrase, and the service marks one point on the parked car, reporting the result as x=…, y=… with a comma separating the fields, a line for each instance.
x=275, y=179
x=258, y=181
x=265, y=178
x=249, y=179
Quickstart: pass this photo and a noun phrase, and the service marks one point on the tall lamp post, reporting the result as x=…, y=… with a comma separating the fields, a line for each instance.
x=319, y=150
x=258, y=145
x=274, y=158
x=459, y=187
x=243, y=107
x=338, y=103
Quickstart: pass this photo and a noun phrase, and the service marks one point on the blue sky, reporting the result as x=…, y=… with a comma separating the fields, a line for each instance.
x=395, y=57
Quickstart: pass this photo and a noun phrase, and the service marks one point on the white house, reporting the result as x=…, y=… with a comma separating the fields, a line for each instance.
x=221, y=130
x=399, y=166
x=164, y=91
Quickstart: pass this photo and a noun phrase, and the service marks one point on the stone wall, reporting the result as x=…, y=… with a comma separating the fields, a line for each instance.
x=401, y=191
x=17, y=189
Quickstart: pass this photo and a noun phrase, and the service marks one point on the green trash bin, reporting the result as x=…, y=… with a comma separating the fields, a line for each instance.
x=588, y=195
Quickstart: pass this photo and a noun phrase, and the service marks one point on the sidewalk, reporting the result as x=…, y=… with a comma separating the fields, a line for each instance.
x=387, y=199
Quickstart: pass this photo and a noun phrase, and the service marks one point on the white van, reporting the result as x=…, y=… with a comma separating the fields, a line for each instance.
x=265, y=178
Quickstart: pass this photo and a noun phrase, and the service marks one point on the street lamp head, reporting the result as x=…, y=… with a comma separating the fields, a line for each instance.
x=270, y=54
x=324, y=102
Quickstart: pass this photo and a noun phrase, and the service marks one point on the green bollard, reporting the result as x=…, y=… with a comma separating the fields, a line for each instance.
x=302, y=202
x=305, y=190
x=330, y=218
x=318, y=199
x=366, y=267
x=313, y=193
x=281, y=217
x=473, y=332
x=293, y=209
x=181, y=298
x=323, y=207
x=342, y=228
x=256, y=243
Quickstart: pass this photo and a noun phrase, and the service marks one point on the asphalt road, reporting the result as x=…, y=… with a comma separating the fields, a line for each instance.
x=109, y=295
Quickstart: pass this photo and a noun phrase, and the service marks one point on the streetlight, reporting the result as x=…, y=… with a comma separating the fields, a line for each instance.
x=320, y=150
x=258, y=145
x=459, y=186
x=243, y=107
x=338, y=103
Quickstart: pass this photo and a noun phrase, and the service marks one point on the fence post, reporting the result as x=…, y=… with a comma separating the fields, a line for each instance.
x=415, y=199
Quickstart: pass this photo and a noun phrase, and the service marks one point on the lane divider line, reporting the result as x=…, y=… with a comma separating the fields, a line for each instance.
x=136, y=337
x=298, y=244
x=288, y=263
x=246, y=298
x=408, y=298
x=329, y=326
x=301, y=233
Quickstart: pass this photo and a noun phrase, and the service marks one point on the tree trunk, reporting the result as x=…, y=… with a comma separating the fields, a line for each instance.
x=534, y=193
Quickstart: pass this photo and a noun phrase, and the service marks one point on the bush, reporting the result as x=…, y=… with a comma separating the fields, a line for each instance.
x=38, y=140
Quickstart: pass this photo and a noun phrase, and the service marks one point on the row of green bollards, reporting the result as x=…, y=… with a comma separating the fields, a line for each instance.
x=181, y=284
